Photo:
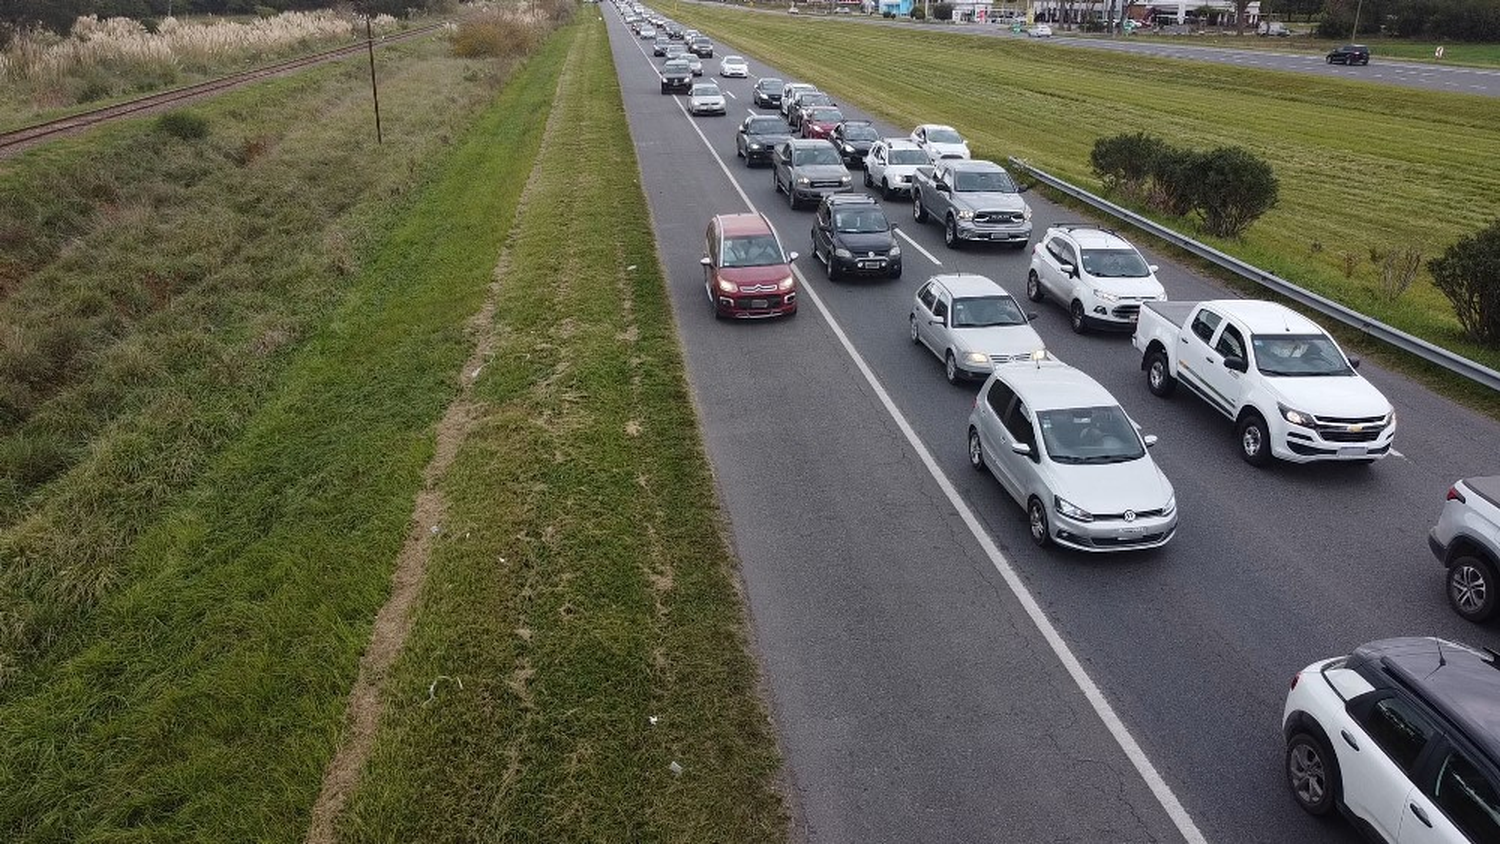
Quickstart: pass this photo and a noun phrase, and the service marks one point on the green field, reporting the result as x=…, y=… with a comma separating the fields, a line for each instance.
x=1361, y=166
x=1473, y=55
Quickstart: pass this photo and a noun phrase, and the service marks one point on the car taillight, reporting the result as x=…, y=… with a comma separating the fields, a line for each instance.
x=1455, y=495
x=1295, y=678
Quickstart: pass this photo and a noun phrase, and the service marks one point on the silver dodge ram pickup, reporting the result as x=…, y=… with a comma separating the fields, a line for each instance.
x=974, y=200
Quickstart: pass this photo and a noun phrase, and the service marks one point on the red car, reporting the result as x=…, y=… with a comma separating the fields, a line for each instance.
x=745, y=271
x=818, y=122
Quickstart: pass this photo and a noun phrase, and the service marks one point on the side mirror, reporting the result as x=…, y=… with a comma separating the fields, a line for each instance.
x=1021, y=448
x=1237, y=364
x=1022, y=188
x=941, y=185
x=1068, y=270
x=1152, y=267
x=705, y=261
x=790, y=257
x=1353, y=362
x=939, y=320
x=1031, y=316
x=1149, y=440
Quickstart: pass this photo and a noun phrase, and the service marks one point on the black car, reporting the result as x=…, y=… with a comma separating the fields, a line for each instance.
x=758, y=137
x=676, y=77
x=674, y=31
x=1349, y=54
x=853, y=236
x=659, y=48
x=854, y=139
x=768, y=92
x=703, y=48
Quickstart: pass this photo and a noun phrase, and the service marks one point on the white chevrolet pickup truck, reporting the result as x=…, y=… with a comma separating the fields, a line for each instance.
x=1290, y=389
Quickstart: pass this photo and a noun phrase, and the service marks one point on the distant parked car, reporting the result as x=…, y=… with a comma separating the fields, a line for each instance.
x=1041, y=30
x=1466, y=540
x=1349, y=54
x=745, y=271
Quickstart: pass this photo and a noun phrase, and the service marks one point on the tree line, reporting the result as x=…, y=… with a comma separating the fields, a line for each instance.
x=1430, y=20
x=58, y=15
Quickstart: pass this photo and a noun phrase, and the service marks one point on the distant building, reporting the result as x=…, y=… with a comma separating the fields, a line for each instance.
x=896, y=7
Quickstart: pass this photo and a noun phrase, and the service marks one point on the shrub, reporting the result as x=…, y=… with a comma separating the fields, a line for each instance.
x=943, y=11
x=187, y=125
x=495, y=35
x=1398, y=269
x=918, y=13
x=1125, y=162
x=1468, y=273
x=1174, y=179
x=1235, y=187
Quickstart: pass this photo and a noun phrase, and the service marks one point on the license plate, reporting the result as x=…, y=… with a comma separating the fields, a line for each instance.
x=1353, y=451
x=757, y=303
x=1131, y=531
x=1134, y=317
x=871, y=265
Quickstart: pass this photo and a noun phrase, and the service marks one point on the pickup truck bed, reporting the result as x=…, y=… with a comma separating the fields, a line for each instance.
x=1175, y=312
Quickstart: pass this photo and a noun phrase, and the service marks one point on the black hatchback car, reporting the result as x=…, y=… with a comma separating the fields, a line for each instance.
x=703, y=48
x=852, y=236
x=768, y=92
x=854, y=139
x=1349, y=54
x=758, y=137
x=676, y=76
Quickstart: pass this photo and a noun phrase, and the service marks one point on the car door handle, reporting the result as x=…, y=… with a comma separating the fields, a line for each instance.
x=1182, y=339
x=1421, y=815
x=1209, y=358
x=1348, y=739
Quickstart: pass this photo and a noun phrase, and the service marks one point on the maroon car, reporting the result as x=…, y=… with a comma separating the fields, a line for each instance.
x=818, y=122
x=745, y=271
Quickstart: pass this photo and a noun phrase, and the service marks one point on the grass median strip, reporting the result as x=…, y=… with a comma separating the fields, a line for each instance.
x=580, y=629
x=202, y=695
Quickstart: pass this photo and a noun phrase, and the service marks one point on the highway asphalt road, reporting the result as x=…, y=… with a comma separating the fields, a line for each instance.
x=915, y=695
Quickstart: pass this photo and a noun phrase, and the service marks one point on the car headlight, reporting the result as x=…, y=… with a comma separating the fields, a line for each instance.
x=755, y=146
x=965, y=214
x=1071, y=510
x=843, y=253
x=1105, y=296
x=976, y=357
x=895, y=252
x=786, y=284
x=847, y=179
x=1170, y=507
x=803, y=180
x=1026, y=213
x=728, y=286
x=1297, y=417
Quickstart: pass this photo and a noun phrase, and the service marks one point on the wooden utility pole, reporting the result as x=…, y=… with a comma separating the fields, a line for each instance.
x=374, y=89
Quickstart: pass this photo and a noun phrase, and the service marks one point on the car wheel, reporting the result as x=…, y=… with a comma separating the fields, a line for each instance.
x=1036, y=517
x=885, y=188
x=1330, y=59
x=1034, y=287
x=1473, y=588
x=916, y=337
x=869, y=183
x=950, y=234
x=1312, y=774
x=1255, y=443
x=976, y=451
x=950, y=368
x=1075, y=317
x=1159, y=375
x=791, y=196
x=775, y=180
x=917, y=211
x=831, y=266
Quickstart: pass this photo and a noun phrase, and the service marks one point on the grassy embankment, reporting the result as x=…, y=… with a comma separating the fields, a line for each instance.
x=581, y=584
x=1360, y=165
x=234, y=349
x=1475, y=55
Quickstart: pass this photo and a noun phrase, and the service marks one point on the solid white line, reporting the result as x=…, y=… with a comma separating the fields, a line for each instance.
x=915, y=245
x=1112, y=722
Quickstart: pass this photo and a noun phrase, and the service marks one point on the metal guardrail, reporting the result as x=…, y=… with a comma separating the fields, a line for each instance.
x=1455, y=363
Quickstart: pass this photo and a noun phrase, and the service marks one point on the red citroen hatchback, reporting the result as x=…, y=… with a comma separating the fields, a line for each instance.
x=745, y=271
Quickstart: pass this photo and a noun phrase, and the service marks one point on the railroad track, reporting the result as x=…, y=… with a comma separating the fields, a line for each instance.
x=29, y=135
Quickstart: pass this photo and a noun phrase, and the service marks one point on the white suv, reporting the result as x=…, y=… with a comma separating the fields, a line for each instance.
x=1403, y=737
x=1096, y=274
x=1466, y=540
x=891, y=164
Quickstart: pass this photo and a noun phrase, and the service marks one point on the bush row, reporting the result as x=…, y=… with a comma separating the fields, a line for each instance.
x=1227, y=188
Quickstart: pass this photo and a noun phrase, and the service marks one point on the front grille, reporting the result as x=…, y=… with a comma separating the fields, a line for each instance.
x=1357, y=420
x=755, y=304
x=1018, y=358
x=998, y=218
x=1126, y=311
x=826, y=183
x=1120, y=517
x=1340, y=435
x=757, y=288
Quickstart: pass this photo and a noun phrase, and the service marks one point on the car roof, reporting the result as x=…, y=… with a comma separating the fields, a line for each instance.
x=1092, y=238
x=900, y=143
x=1050, y=384
x=968, y=284
x=1265, y=317
x=1460, y=682
x=971, y=164
x=733, y=225
x=804, y=143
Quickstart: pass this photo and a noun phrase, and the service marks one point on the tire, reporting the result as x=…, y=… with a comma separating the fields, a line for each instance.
x=869, y=183
x=1255, y=439
x=1159, y=378
x=1312, y=774
x=885, y=188
x=976, y=451
x=950, y=234
x=1075, y=318
x=1473, y=588
x=832, y=267
x=775, y=179
x=918, y=213
x=1036, y=519
x=950, y=369
x=1034, y=290
x=791, y=197
x=916, y=338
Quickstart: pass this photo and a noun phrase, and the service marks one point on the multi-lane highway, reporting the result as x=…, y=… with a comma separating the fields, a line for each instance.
x=934, y=676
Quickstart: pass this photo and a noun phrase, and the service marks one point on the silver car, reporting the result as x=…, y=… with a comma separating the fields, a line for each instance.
x=1063, y=448
x=972, y=325
x=706, y=98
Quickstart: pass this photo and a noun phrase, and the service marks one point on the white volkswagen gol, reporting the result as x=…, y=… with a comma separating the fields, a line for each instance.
x=971, y=324
x=1063, y=448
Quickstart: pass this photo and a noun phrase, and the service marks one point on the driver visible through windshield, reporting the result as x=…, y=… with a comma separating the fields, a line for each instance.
x=816, y=155
x=1090, y=435
x=1293, y=355
x=986, y=312
x=759, y=250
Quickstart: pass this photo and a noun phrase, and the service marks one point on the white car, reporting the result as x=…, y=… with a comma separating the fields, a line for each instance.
x=972, y=325
x=734, y=66
x=706, y=98
x=1096, y=274
x=1402, y=737
x=940, y=141
x=648, y=32
x=890, y=165
x=1040, y=30
x=1066, y=451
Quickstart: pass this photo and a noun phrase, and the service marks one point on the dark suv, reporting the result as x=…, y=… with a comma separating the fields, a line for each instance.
x=757, y=138
x=1349, y=54
x=854, y=139
x=768, y=92
x=703, y=48
x=1403, y=737
x=852, y=235
x=676, y=76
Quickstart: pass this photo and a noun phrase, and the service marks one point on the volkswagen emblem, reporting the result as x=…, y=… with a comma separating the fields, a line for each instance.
x=1129, y=515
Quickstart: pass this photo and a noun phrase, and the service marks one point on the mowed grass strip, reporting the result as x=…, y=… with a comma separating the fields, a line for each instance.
x=201, y=700
x=1361, y=165
x=581, y=585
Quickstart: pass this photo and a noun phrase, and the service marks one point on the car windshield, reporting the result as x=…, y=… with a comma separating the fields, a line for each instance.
x=993, y=181
x=765, y=126
x=733, y=60
x=825, y=115
x=860, y=221
x=816, y=155
x=860, y=132
x=908, y=156
x=1115, y=263
x=676, y=65
x=755, y=250
x=1090, y=435
x=1296, y=355
x=768, y=84
x=943, y=136
x=986, y=312
x=705, y=90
